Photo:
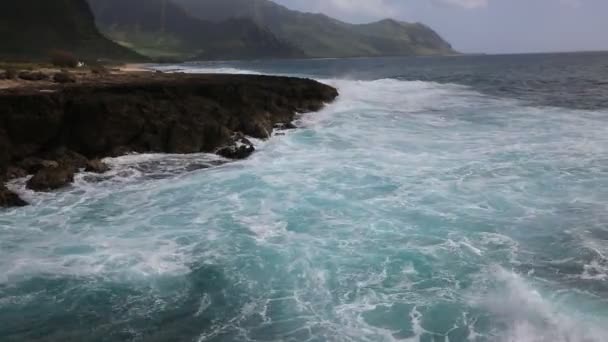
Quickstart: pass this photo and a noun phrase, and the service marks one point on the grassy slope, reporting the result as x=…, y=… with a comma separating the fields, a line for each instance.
x=30, y=29
x=321, y=36
x=160, y=28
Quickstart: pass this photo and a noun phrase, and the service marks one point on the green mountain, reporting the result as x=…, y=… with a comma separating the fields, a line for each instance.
x=321, y=36
x=30, y=29
x=160, y=28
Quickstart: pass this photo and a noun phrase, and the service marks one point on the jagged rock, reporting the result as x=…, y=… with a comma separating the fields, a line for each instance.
x=33, y=76
x=64, y=77
x=51, y=178
x=157, y=113
x=9, y=198
x=239, y=148
x=97, y=166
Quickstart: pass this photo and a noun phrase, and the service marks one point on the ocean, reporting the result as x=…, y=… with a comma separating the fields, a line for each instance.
x=439, y=199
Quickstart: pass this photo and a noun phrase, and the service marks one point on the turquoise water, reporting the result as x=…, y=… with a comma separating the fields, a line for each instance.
x=405, y=211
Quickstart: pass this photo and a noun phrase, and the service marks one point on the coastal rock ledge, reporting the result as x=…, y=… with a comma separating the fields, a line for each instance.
x=67, y=124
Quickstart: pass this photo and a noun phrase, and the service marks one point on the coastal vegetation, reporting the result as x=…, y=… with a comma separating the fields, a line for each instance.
x=164, y=30
x=31, y=29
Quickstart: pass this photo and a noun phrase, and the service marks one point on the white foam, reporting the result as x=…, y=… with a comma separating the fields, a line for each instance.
x=530, y=317
x=595, y=271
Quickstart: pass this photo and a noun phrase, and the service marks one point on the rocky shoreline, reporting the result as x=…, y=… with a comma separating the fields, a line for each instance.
x=51, y=130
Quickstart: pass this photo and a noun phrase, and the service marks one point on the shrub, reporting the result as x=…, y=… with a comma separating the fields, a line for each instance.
x=63, y=59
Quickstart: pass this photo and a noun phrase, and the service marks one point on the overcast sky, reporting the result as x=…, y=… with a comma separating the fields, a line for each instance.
x=490, y=26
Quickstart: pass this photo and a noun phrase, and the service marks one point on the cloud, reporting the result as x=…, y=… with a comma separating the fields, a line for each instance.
x=352, y=8
x=464, y=3
x=484, y=3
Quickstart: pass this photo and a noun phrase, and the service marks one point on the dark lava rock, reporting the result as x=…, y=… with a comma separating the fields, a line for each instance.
x=64, y=77
x=97, y=166
x=51, y=178
x=239, y=148
x=10, y=199
x=33, y=76
x=168, y=113
x=32, y=165
x=68, y=158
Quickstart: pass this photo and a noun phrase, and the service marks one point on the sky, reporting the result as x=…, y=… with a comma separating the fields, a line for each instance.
x=486, y=26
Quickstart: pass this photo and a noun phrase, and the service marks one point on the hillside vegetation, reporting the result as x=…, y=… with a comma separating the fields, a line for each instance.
x=321, y=36
x=160, y=28
x=31, y=29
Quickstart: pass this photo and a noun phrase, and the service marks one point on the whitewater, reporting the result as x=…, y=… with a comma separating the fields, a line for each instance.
x=408, y=210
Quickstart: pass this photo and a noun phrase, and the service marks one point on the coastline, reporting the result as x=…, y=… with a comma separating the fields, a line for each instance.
x=51, y=130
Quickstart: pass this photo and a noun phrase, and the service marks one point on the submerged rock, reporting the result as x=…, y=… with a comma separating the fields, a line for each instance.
x=10, y=199
x=196, y=166
x=51, y=178
x=239, y=148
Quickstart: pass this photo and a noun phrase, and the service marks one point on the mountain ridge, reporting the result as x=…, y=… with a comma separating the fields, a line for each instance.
x=161, y=28
x=319, y=35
